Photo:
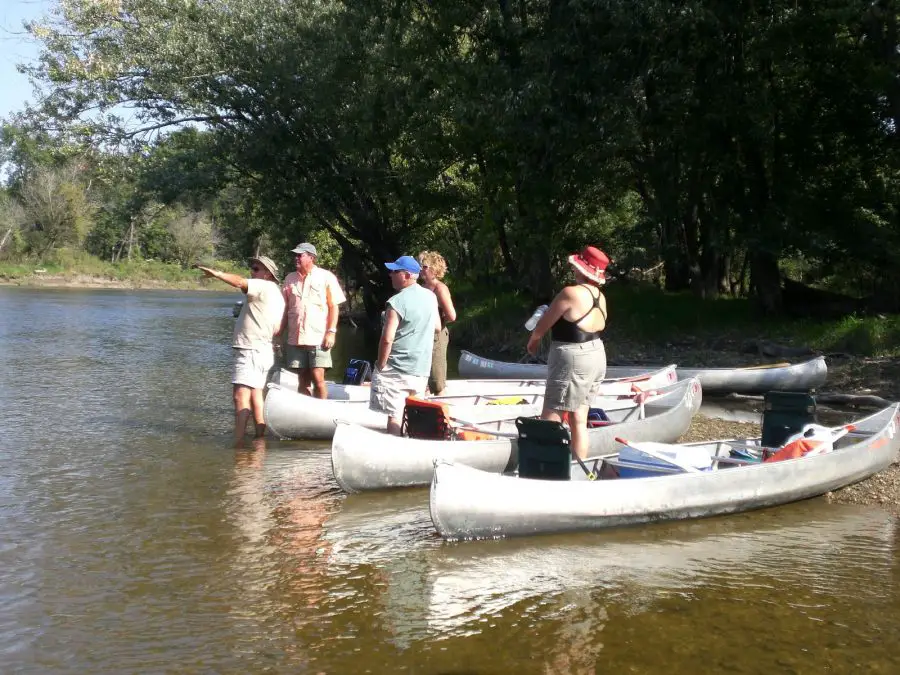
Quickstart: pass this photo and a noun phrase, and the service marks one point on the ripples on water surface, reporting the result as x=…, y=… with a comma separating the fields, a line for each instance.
x=135, y=540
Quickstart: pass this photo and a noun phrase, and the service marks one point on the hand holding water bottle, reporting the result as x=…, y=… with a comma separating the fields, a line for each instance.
x=533, y=320
x=534, y=341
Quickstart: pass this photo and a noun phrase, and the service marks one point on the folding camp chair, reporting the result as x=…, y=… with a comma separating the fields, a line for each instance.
x=785, y=413
x=544, y=450
x=425, y=419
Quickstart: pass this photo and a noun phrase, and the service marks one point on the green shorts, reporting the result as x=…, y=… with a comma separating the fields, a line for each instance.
x=305, y=357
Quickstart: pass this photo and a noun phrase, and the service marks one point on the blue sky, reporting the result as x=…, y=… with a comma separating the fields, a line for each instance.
x=16, y=46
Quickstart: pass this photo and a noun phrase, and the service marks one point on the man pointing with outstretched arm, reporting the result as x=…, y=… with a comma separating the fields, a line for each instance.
x=256, y=326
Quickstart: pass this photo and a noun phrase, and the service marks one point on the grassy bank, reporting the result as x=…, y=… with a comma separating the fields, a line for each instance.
x=66, y=268
x=641, y=316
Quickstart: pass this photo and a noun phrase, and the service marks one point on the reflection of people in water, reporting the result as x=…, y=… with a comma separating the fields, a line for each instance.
x=252, y=457
x=579, y=641
x=279, y=510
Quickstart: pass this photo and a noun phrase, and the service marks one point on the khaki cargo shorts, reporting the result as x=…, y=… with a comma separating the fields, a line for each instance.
x=574, y=373
x=251, y=367
x=297, y=357
x=390, y=389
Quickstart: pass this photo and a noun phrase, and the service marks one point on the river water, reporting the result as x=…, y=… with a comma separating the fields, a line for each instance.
x=135, y=539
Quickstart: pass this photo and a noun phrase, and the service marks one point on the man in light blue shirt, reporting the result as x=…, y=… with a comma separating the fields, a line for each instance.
x=407, y=340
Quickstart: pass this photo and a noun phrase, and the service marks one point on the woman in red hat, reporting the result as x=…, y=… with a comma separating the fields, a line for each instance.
x=577, y=359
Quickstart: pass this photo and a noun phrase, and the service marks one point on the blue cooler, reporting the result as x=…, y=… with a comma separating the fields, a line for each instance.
x=691, y=456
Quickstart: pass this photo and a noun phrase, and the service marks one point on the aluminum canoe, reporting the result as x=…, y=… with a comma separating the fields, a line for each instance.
x=802, y=376
x=363, y=459
x=469, y=503
x=289, y=414
x=660, y=377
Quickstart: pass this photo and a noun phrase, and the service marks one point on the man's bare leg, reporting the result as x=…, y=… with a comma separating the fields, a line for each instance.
x=393, y=426
x=319, y=388
x=304, y=377
x=257, y=402
x=242, y=412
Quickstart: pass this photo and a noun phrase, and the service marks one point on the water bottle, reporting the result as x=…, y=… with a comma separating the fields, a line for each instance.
x=533, y=321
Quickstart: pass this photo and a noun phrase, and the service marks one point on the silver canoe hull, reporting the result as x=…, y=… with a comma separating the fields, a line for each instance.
x=363, y=459
x=493, y=386
x=289, y=414
x=753, y=380
x=467, y=503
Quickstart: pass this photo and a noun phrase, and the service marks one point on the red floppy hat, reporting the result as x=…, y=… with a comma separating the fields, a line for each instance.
x=592, y=263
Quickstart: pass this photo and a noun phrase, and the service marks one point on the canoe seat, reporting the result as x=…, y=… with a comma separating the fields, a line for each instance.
x=544, y=449
x=425, y=419
x=785, y=413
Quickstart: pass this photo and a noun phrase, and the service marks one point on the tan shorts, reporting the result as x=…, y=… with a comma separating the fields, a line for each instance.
x=390, y=389
x=251, y=367
x=302, y=357
x=574, y=373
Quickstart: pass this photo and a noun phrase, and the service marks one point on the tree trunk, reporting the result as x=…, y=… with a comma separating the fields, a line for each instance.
x=765, y=277
x=5, y=237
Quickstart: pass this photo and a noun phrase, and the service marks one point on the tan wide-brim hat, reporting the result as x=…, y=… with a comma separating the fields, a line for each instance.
x=268, y=263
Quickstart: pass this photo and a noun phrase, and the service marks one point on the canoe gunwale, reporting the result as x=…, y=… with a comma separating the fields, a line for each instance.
x=359, y=464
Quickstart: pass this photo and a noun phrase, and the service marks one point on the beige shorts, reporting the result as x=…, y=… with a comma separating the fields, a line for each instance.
x=251, y=367
x=390, y=389
x=574, y=373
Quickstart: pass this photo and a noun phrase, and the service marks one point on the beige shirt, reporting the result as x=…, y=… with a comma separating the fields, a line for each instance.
x=307, y=302
x=260, y=317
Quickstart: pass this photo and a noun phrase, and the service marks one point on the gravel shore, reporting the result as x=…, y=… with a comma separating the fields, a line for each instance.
x=882, y=489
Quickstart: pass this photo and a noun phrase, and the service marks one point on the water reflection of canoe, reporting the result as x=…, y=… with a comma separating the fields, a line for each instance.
x=752, y=380
x=492, y=386
x=364, y=459
x=435, y=587
x=291, y=415
x=466, y=502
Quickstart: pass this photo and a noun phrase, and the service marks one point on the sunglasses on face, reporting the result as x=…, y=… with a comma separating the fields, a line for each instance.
x=255, y=269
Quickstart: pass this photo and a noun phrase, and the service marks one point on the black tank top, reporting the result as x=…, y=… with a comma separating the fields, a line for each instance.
x=568, y=331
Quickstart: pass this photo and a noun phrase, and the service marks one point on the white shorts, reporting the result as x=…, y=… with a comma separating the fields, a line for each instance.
x=251, y=367
x=390, y=389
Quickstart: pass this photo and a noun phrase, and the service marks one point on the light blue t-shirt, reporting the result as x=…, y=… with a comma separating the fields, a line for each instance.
x=414, y=339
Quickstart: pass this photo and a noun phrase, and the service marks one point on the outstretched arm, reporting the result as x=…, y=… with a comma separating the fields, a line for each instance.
x=235, y=280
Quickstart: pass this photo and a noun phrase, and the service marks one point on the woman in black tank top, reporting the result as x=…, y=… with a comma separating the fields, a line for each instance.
x=576, y=362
